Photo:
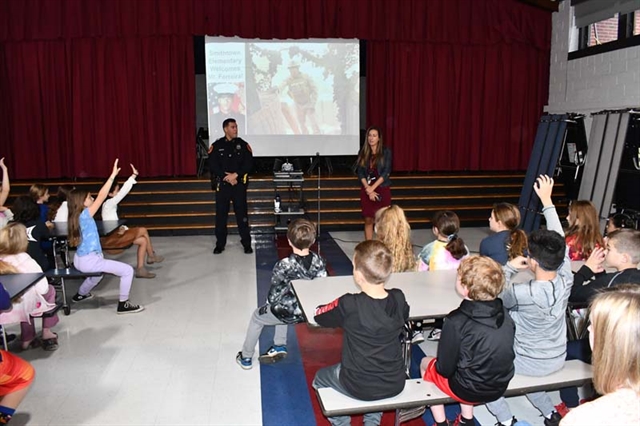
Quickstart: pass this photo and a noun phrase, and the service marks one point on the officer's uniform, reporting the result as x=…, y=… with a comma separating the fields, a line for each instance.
x=233, y=156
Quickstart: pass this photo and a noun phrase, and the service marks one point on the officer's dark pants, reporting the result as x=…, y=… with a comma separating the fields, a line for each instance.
x=238, y=195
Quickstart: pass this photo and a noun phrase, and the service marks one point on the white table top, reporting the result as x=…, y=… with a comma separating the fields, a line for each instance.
x=429, y=294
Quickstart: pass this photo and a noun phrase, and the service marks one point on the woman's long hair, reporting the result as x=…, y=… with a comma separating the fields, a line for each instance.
x=509, y=216
x=76, y=205
x=393, y=229
x=585, y=227
x=364, y=157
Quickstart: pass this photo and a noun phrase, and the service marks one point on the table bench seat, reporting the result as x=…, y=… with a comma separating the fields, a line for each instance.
x=418, y=392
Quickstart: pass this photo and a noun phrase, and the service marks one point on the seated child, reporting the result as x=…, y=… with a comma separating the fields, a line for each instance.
x=475, y=353
x=538, y=307
x=619, y=221
x=448, y=249
x=393, y=229
x=26, y=211
x=125, y=236
x=622, y=253
x=37, y=300
x=372, y=365
x=59, y=209
x=613, y=336
x=16, y=374
x=583, y=234
x=282, y=305
x=508, y=241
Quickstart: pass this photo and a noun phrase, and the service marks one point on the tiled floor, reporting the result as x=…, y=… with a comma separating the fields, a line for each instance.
x=174, y=363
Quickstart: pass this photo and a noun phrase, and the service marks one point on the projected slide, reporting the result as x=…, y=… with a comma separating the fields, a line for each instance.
x=289, y=97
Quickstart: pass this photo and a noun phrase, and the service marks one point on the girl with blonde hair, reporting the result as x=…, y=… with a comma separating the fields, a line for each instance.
x=613, y=335
x=393, y=229
x=583, y=234
x=37, y=300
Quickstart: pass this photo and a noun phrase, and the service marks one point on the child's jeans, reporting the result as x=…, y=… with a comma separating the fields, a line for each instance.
x=261, y=317
x=95, y=262
x=328, y=377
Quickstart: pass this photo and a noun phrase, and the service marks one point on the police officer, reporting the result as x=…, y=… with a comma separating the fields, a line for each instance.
x=230, y=161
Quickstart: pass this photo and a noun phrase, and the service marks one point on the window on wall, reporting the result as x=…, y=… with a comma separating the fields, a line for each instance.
x=604, y=26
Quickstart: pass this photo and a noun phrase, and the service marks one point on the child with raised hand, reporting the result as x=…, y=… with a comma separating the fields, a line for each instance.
x=125, y=236
x=622, y=253
x=282, y=306
x=508, y=241
x=83, y=233
x=5, y=214
x=613, y=336
x=37, y=300
x=448, y=249
x=475, y=354
x=372, y=365
x=583, y=235
x=538, y=307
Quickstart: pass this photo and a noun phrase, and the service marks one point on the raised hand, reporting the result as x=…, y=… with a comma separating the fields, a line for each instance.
x=2, y=165
x=544, y=187
x=116, y=169
x=134, y=170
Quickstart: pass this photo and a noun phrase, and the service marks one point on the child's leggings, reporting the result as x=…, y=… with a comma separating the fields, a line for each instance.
x=28, y=329
x=95, y=262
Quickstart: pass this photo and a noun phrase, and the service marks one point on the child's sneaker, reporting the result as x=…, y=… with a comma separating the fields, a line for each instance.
x=245, y=363
x=273, y=355
x=417, y=337
x=127, y=307
x=461, y=421
x=554, y=420
x=434, y=335
x=79, y=297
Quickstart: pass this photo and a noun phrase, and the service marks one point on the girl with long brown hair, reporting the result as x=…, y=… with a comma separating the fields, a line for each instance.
x=83, y=233
x=507, y=242
x=583, y=234
x=374, y=167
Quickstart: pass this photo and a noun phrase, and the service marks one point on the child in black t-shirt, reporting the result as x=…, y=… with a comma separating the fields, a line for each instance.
x=372, y=365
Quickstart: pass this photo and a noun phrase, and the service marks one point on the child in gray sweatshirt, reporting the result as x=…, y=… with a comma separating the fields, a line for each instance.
x=538, y=307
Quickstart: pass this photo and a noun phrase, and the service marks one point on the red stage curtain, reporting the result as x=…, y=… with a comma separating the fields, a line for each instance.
x=75, y=105
x=454, y=84
x=447, y=107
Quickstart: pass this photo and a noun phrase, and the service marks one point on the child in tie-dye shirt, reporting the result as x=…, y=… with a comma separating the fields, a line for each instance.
x=448, y=249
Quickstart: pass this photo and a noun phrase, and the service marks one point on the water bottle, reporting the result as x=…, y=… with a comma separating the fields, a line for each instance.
x=276, y=203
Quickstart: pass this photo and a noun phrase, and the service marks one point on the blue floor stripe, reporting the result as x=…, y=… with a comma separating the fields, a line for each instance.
x=333, y=254
x=285, y=398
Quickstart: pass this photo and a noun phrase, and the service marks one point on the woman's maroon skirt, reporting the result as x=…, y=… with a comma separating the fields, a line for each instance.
x=369, y=208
